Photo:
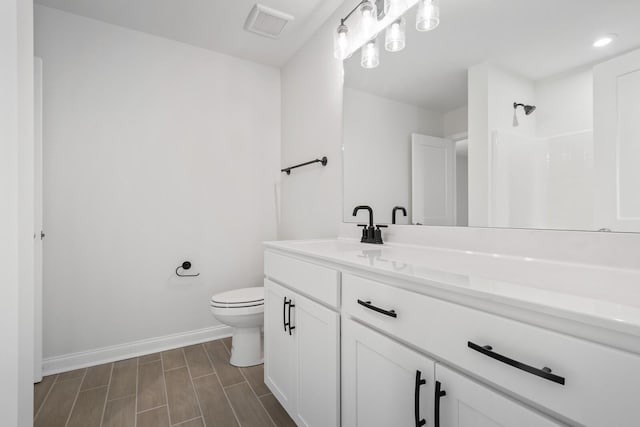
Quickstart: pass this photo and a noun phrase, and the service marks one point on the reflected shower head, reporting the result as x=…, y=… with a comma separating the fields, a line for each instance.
x=528, y=109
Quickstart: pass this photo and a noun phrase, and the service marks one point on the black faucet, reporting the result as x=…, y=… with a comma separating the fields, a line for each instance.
x=393, y=213
x=369, y=234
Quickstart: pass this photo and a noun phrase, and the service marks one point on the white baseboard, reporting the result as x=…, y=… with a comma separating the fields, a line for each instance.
x=69, y=362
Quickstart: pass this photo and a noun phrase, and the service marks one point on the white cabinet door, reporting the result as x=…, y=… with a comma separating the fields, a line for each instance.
x=433, y=180
x=381, y=386
x=301, y=356
x=317, y=333
x=469, y=404
x=280, y=353
x=617, y=142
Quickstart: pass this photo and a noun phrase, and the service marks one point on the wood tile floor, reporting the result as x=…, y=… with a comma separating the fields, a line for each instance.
x=193, y=386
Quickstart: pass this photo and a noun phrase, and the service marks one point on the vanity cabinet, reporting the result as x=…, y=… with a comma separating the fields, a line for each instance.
x=347, y=346
x=466, y=403
x=302, y=356
x=383, y=383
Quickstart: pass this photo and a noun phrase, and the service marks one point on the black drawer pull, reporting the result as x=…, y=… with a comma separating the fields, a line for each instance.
x=436, y=404
x=291, y=305
x=545, y=372
x=390, y=313
x=284, y=314
x=416, y=396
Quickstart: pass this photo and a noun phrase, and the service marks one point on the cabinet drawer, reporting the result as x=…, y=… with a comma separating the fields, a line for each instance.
x=601, y=384
x=318, y=282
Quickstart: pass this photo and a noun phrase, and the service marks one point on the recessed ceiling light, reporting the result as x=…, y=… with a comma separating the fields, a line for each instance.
x=604, y=40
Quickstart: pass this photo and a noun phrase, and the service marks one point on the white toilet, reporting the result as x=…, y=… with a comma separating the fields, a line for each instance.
x=243, y=310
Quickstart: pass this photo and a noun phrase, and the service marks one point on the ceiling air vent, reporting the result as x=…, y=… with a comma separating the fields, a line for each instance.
x=266, y=21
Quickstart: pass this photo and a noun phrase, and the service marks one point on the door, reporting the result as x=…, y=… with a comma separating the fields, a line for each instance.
x=617, y=143
x=433, y=180
x=466, y=403
x=382, y=381
x=317, y=332
x=38, y=233
x=279, y=346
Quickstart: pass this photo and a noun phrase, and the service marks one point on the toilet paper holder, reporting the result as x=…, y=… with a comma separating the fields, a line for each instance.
x=185, y=266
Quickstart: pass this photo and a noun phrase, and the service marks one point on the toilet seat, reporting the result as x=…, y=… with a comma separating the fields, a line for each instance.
x=239, y=298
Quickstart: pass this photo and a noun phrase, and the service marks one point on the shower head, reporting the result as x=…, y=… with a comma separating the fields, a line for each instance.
x=528, y=109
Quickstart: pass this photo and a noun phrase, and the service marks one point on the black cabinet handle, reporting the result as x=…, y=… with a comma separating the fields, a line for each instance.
x=416, y=405
x=390, y=313
x=436, y=407
x=291, y=304
x=545, y=372
x=284, y=314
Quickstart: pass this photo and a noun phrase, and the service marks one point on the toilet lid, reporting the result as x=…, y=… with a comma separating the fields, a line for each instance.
x=240, y=297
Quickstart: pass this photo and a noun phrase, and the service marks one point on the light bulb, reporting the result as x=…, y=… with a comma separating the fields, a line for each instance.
x=341, y=42
x=604, y=40
x=394, y=8
x=395, y=37
x=428, y=17
x=369, y=14
x=370, y=54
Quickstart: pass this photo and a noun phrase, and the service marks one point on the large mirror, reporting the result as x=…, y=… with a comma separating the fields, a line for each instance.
x=521, y=114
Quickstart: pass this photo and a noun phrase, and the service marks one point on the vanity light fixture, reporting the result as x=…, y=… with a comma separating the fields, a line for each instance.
x=394, y=7
x=370, y=54
x=371, y=12
x=341, y=42
x=428, y=17
x=396, y=36
x=604, y=40
x=369, y=16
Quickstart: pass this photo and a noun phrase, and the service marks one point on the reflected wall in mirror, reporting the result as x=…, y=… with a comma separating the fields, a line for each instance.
x=508, y=114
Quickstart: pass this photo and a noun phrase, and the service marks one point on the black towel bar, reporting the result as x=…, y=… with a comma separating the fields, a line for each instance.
x=322, y=161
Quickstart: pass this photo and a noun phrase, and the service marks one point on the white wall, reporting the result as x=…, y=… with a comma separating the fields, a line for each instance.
x=456, y=122
x=311, y=197
x=492, y=92
x=377, y=153
x=16, y=214
x=565, y=103
x=155, y=152
x=462, y=188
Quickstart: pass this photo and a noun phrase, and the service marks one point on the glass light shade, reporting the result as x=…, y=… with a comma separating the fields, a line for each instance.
x=428, y=17
x=370, y=54
x=394, y=7
x=341, y=42
x=369, y=18
x=396, y=36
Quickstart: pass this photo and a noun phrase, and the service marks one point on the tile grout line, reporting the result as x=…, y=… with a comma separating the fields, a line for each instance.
x=186, y=421
x=173, y=369
x=55, y=380
x=166, y=394
x=251, y=387
x=222, y=386
x=106, y=398
x=75, y=399
x=151, y=409
x=192, y=384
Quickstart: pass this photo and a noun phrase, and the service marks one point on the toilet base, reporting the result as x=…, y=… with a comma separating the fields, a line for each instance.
x=246, y=347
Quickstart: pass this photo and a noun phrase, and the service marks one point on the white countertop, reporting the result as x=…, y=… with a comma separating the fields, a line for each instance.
x=602, y=297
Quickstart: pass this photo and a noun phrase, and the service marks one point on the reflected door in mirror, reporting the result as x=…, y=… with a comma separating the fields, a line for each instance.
x=433, y=180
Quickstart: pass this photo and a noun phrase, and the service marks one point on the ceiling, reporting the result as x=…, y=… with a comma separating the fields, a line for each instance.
x=535, y=39
x=217, y=25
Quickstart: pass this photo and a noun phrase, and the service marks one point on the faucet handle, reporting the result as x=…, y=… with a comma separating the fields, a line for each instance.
x=379, y=226
x=365, y=236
